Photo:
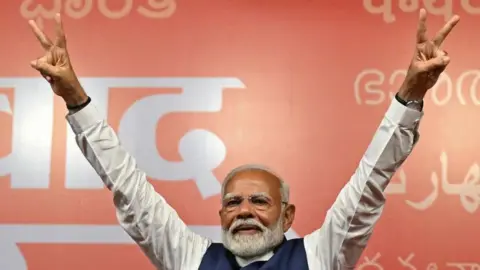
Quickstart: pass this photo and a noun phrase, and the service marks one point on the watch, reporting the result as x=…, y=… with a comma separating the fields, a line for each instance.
x=412, y=104
x=80, y=106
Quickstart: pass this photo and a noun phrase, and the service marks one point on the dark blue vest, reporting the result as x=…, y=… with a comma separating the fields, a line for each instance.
x=290, y=255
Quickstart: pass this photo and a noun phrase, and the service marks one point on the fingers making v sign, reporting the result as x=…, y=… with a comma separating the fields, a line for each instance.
x=55, y=65
x=429, y=59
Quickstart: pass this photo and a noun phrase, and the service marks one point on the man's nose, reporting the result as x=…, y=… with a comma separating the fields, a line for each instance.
x=245, y=210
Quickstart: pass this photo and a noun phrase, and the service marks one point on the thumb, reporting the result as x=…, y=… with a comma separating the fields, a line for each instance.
x=439, y=62
x=44, y=68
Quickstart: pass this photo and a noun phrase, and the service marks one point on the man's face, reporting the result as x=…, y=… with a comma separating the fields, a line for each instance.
x=252, y=218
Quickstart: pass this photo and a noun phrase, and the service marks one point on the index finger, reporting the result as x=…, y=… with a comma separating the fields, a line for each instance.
x=446, y=29
x=42, y=38
x=422, y=27
x=60, y=40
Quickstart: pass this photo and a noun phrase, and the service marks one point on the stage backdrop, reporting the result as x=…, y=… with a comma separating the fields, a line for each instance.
x=196, y=87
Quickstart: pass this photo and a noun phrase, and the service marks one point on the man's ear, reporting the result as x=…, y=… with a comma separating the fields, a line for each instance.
x=288, y=217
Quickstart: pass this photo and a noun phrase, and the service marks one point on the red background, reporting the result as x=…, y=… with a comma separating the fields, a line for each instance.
x=298, y=114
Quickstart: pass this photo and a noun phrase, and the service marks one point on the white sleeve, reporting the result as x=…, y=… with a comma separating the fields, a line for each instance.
x=349, y=223
x=142, y=212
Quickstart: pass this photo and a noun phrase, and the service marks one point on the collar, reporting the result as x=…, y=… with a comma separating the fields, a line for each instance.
x=244, y=262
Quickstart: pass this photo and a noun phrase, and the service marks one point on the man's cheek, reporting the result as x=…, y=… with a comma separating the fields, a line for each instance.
x=266, y=221
x=226, y=222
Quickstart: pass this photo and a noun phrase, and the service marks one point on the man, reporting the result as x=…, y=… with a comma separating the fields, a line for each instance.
x=255, y=211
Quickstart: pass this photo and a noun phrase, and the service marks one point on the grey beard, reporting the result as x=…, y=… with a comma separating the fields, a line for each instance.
x=249, y=246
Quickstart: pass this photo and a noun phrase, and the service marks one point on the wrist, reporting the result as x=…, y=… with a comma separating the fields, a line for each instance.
x=409, y=94
x=75, y=99
x=412, y=104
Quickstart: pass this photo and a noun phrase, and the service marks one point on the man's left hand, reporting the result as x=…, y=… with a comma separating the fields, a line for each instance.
x=429, y=60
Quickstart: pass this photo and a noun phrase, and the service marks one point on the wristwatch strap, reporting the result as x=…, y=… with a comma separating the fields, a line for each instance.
x=412, y=104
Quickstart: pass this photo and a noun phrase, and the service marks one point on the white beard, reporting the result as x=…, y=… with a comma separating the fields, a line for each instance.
x=258, y=244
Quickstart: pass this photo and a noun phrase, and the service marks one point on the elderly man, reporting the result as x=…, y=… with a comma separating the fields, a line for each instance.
x=256, y=211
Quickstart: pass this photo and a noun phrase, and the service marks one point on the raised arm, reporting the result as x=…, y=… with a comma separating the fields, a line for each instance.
x=349, y=223
x=143, y=213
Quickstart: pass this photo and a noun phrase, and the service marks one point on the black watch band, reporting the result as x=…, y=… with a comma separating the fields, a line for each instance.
x=80, y=106
x=413, y=104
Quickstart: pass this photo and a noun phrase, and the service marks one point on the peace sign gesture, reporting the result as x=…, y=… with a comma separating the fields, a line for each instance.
x=429, y=60
x=55, y=65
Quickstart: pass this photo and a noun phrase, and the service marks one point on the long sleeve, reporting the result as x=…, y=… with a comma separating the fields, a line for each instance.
x=349, y=223
x=143, y=213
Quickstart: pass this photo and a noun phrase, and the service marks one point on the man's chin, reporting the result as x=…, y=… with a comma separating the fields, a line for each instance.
x=248, y=244
x=247, y=237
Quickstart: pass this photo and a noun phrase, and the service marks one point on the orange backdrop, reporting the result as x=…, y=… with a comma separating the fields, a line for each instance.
x=299, y=85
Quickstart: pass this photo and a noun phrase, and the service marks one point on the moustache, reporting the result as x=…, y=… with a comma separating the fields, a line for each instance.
x=246, y=224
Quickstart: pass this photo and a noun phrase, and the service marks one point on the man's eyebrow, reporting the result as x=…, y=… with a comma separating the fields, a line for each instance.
x=257, y=194
x=230, y=196
x=260, y=194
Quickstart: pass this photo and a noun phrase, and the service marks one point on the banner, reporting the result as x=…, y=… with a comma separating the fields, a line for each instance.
x=195, y=88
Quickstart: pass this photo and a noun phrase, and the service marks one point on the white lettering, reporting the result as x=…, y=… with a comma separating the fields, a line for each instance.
x=39, y=13
x=77, y=9
x=465, y=266
x=127, y=6
x=436, y=7
x=385, y=9
x=406, y=263
x=443, y=80
x=472, y=90
x=373, y=86
x=161, y=9
x=371, y=263
x=468, y=191
x=201, y=150
x=28, y=165
x=469, y=8
x=408, y=5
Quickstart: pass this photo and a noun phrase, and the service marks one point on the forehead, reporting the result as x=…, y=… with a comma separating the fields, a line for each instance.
x=253, y=181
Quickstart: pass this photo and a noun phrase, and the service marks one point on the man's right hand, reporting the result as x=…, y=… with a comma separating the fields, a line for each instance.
x=55, y=65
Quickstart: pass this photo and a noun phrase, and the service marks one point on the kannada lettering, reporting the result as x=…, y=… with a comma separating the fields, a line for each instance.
x=468, y=191
x=78, y=9
x=436, y=7
x=375, y=87
x=407, y=263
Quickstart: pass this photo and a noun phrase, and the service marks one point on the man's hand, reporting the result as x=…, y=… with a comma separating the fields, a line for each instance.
x=428, y=62
x=55, y=65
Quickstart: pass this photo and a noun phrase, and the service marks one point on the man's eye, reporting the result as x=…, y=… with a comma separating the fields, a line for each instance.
x=232, y=203
x=259, y=201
